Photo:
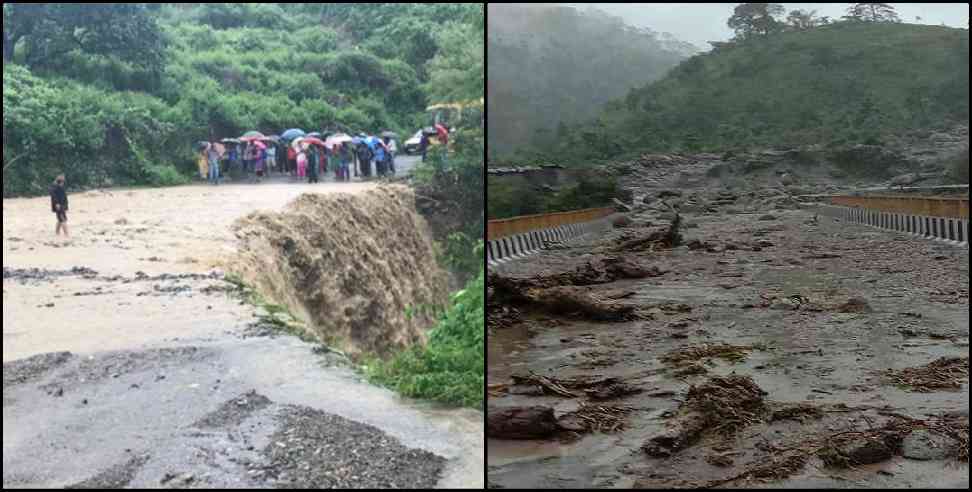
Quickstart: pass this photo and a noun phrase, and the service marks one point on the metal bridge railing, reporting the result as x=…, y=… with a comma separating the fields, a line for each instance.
x=518, y=237
x=945, y=219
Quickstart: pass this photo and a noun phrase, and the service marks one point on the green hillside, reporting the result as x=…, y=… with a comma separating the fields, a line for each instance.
x=116, y=94
x=551, y=64
x=837, y=84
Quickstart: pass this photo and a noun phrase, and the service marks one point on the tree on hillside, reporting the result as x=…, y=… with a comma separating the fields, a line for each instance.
x=872, y=12
x=49, y=31
x=756, y=19
x=802, y=20
x=457, y=73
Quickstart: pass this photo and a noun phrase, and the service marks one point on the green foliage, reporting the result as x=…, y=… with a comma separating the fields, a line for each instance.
x=550, y=65
x=463, y=255
x=513, y=197
x=451, y=367
x=458, y=179
x=124, y=104
x=96, y=138
x=843, y=83
x=872, y=12
x=457, y=71
x=50, y=31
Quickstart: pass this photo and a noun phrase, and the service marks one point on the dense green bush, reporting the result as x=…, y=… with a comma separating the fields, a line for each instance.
x=451, y=368
x=513, y=197
x=95, y=137
x=228, y=69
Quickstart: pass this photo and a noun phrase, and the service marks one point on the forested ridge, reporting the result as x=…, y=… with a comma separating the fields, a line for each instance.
x=116, y=94
x=843, y=83
x=551, y=66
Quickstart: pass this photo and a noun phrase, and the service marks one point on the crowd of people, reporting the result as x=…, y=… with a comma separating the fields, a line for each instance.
x=305, y=160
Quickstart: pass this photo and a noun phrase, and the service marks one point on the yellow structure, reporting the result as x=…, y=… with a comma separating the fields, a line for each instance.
x=498, y=229
x=957, y=208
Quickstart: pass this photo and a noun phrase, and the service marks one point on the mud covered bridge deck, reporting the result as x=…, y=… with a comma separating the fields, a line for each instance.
x=804, y=330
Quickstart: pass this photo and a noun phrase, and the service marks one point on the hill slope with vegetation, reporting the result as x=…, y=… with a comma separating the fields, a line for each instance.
x=836, y=84
x=117, y=94
x=550, y=65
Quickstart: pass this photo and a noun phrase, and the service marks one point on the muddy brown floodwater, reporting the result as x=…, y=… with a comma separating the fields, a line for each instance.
x=137, y=296
x=815, y=313
x=118, y=232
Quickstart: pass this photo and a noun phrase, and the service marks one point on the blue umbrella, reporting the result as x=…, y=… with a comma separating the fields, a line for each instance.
x=293, y=134
x=371, y=141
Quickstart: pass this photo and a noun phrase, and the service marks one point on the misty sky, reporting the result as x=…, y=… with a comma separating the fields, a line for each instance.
x=698, y=23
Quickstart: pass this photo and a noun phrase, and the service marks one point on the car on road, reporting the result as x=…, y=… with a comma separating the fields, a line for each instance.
x=412, y=145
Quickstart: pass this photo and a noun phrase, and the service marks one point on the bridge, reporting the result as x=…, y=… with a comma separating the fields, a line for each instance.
x=943, y=219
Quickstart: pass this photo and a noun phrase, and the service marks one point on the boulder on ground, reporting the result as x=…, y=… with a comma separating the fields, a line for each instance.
x=536, y=422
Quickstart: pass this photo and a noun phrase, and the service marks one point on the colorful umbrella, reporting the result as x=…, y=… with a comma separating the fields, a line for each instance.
x=372, y=142
x=304, y=142
x=293, y=134
x=254, y=135
x=339, y=138
x=314, y=141
x=260, y=145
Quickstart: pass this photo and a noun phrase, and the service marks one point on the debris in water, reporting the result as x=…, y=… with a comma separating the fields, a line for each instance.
x=723, y=405
x=685, y=357
x=945, y=374
x=535, y=422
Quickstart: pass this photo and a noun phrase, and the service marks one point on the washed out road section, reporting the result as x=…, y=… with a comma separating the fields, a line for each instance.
x=127, y=356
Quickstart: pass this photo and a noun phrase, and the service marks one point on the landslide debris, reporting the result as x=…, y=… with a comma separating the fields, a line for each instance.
x=945, y=374
x=359, y=268
x=721, y=405
x=566, y=293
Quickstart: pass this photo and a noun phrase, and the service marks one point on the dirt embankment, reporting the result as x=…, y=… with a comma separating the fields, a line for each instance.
x=360, y=269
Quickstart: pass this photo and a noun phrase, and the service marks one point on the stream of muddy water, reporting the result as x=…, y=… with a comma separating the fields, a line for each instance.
x=817, y=355
x=143, y=271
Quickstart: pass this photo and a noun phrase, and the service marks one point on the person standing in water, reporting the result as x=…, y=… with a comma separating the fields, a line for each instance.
x=271, y=158
x=313, y=165
x=59, y=205
x=213, y=156
x=346, y=156
x=302, y=165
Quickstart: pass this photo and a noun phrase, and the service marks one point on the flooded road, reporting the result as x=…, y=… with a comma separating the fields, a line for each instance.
x=158, y=345
x=781, y=304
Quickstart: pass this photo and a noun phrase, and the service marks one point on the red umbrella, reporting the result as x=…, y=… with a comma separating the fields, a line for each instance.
x=313, y=141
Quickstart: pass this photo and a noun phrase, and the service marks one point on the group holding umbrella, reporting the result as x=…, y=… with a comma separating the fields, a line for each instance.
x=308, y=155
